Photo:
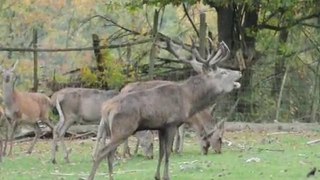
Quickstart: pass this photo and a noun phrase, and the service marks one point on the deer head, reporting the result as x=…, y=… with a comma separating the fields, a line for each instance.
x=8, y=74
x=215, y=138
x=208, y=66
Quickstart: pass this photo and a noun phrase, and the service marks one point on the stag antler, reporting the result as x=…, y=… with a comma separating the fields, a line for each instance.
x=197, y=62
x=197, y=66
x=222, y=54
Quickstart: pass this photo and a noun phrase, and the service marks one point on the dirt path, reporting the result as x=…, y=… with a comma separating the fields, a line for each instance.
x=271, y=127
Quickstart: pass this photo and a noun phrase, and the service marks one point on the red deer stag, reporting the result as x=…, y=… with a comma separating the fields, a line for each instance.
x=24, y=107
x=76, y=105
x=202, y=122
x=163, y=108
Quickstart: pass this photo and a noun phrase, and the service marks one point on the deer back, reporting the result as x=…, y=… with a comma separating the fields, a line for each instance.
x=138, y=86
x=84, y=103
x=152, y=108
x=26, y=106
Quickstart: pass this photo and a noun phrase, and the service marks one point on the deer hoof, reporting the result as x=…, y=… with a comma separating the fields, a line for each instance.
x=54, y=161
x=67, y=160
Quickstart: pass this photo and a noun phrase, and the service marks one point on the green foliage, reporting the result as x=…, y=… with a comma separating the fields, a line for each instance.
x=113, y=73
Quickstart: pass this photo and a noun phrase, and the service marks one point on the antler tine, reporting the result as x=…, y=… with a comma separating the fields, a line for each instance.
x=170, y=48
x=197, y=66
x=195, y=52
x=210, y=54
x=221, y=55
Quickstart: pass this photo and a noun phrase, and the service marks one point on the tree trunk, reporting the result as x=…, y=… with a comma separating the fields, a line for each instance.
x=316, y=90
x=226, y=17
x=279, y=67
x=232, y=25
x=153, y=47
x=248, y=47
x=202, y=35
x=99, y=59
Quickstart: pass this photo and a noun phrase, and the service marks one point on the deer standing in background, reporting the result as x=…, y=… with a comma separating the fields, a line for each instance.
x=24, y=107
x=76, y=105
x=164, y=107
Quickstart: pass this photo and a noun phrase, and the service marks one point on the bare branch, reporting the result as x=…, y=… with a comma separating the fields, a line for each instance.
x=295, y=22
x=189, y=18
x=75, y=49
x=114, y=23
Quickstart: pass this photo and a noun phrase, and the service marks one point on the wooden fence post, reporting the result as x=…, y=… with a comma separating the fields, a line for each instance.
x=153, y=52
x=35, y=61
x=99, y=59
x=202, y=34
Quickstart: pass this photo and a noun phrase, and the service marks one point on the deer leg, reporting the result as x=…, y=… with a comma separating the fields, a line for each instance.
x=37, y=132
x=6, y=138
x=1, y=152
x=126, y=149
x=137, y=146
x=169, y=136
x=110, y=162
x=61, y=134
x=161, y=152
x=176, y=142
x=181, y=134
x=107, y=150
x=55, y=134
x=101, y=138
x=49, y=123
x=54, y=148
x=13, y=129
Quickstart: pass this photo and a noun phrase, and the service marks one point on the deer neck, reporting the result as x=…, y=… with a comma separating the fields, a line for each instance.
x=9, y=94
x=200, y=93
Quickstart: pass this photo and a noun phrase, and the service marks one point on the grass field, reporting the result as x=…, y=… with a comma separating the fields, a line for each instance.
x=282, y=156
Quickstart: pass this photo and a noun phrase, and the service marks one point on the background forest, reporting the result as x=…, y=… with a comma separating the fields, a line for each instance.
x=275, y=43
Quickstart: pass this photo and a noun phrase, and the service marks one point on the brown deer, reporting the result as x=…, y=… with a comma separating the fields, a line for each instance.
x=76, y=105
x=164, y=107
x=24, y=107
x=203, y=123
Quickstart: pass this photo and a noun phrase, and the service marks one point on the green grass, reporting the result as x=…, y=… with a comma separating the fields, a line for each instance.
x=284, y=156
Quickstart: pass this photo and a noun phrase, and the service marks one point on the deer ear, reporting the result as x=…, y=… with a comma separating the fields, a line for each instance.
x=14, y=66
x=220, y=127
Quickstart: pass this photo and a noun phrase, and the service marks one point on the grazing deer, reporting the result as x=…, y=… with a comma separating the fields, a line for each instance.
x=76, y=105
x=164, y=107
x=144, y=140
x=24, y=107
x=209, y=133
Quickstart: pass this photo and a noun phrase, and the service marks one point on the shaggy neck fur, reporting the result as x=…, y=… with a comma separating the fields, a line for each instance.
x=201, y=93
